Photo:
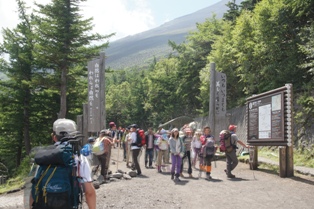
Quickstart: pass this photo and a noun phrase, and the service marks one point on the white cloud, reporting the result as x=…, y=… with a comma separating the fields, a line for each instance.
x=123, y=17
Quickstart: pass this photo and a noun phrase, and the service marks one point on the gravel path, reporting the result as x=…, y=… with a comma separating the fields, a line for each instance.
x=251, y=189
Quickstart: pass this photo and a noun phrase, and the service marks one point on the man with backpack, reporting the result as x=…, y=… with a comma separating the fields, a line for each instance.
x=135, y=147
x=61, y=171
x=231, y=156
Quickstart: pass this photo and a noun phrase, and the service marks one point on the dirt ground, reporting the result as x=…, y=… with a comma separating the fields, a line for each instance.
x=250, y=189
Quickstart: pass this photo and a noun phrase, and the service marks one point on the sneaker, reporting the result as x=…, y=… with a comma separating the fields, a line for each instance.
x=181, y=175
x=172, y=176
x=177, y=179
x=231, y=176
x=208, y=177
x=159, y=171
x=190, y=175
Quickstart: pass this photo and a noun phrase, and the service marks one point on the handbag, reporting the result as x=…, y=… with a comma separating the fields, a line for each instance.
x=182, y=154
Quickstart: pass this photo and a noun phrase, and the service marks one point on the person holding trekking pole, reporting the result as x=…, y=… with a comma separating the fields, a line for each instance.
x=231, y=157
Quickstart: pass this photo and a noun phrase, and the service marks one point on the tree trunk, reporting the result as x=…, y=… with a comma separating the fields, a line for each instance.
x=26, y=126
x=63, y=93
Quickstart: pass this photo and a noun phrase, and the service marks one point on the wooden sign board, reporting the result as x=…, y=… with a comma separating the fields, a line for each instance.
x=269, y=118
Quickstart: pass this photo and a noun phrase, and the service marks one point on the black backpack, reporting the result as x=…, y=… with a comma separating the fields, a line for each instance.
x=55, y=185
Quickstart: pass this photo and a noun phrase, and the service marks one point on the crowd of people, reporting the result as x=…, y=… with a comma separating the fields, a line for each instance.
x=161, y=148
x=165, y=147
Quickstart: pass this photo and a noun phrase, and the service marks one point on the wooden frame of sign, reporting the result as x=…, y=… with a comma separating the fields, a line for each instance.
x=269, y=123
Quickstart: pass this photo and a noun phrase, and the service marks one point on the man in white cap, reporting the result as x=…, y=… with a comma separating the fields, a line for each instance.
x=64, y=127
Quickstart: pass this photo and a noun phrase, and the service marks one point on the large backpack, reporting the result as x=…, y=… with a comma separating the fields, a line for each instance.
x=56, y=185
x=225, y=141
x=208, y=150
x=140, y=138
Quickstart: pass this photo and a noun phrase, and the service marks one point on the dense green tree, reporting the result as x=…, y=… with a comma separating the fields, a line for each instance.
x=16, y=89
x=233, y=12
x=64, y=42
x=192, y=56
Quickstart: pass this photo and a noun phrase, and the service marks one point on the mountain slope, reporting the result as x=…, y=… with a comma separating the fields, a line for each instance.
x=140, y=49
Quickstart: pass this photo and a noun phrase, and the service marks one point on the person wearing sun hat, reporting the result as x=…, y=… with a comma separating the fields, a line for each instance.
x=187, y=140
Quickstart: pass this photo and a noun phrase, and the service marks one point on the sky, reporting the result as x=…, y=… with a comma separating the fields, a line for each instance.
x=123, y=17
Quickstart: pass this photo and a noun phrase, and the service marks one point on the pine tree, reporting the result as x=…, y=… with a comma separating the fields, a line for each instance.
x=64, y=43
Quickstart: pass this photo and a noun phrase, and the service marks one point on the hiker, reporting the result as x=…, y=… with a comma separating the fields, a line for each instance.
x=135, y=148
x=128, y=145
x=113, y=133
x=176, y=147
x=87, y=149
x=231, y=157
x=124, y=143
x=196, y=146
x=104, y=159
x=163, y=149
x=187, y=139
x=119, y=136
x=149, y=148
x=207, y=152
x=61, y=128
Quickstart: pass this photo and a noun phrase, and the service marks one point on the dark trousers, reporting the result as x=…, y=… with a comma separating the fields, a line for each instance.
x=124, y=150
x=188, y=155
x=232, y=161
x=135, y=153
x=104, y=163
x=149, y=157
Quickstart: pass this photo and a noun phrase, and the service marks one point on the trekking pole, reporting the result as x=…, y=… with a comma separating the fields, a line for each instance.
x=118, y=159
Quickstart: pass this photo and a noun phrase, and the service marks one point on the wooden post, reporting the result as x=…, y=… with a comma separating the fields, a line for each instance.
x=85, y=121
x=79, y=122
x=290, y=169
x=102, y=92
x=290, y=136
x=283, y=161
x=212, y=97
x=253, y=158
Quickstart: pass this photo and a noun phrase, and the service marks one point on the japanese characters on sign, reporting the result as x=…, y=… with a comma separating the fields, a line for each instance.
x=94, y=97
x=266, y=117
x=220, y=94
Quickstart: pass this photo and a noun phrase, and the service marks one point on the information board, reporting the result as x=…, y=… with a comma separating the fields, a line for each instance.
x=266, y=117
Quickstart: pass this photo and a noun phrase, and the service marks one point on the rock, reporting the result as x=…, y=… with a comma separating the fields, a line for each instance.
x=127, y=177
x=114, y=180
x=96, y=184
x=100, y=179
x=132, y=173
x=120, y=171
x=117, y=175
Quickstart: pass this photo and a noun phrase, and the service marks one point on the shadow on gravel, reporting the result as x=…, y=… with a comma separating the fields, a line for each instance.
x=239, y=179
x=142, y=176
x=302, y=180
x=182, y=182
x=214, y=180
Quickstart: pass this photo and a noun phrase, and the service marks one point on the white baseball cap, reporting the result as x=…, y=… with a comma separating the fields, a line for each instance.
x=63, y=125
